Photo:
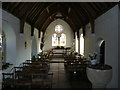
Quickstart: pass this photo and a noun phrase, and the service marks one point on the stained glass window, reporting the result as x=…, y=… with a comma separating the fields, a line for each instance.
x=54, y=40
x=58, y=38
x=63, y=40
x=58, y=29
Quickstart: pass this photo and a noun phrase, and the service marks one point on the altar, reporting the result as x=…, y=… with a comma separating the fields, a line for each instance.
x=59, y=51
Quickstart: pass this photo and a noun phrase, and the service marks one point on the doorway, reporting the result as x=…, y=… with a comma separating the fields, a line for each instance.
x=102, y=52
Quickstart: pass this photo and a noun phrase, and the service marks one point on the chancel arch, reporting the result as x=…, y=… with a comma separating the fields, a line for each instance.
x=67, y=34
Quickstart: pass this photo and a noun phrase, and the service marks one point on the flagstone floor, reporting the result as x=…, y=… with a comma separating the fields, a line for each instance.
x=64, y=79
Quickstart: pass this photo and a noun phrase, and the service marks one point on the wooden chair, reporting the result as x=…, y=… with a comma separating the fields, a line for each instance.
x=23, y=80
x=8, y=80
x=37, y=80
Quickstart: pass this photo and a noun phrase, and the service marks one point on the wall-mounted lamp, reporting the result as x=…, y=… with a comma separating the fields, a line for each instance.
x=25, y=44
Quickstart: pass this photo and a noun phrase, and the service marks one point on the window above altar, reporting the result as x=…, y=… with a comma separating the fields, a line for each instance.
x=58, y=38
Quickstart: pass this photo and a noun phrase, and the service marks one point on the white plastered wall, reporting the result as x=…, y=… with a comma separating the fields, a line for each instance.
x=36, y=42
x=119, y=46
x=16, y=53
x=106, y=27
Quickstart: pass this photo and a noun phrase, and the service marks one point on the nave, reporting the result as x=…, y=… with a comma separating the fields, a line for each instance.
x=88, y=28
x=49, y=73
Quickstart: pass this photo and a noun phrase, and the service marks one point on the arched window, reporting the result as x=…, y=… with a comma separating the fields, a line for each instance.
x=76, y=42
x=58, y=38
x=54, y=40
x=63, y=40
x=81, y=44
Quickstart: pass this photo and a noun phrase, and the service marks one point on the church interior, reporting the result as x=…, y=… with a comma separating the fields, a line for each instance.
x=59, y=45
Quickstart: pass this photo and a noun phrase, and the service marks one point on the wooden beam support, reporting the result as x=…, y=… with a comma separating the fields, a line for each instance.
x=70, y=22
x=91, y=18
x=97, y=4
x=32, y=30
x=26, y=10
x=74, y=35
x=39, y=33
x=74, y=16
x=69, y=10
x=83, y=28
x=92, y=26
x=33, y=9
x=44, y=9
x=14, y=6
x=48, y=11
x=45, y=22
x=36, y=11
x=78, y=34
x=92, y=4
x=22, y=22
x=49, y=20
x=17, y=10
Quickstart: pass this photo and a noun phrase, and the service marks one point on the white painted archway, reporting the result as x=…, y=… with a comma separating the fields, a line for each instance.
x=98, y=44
x=10, y=43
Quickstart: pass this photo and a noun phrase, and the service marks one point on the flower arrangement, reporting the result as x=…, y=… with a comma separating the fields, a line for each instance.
x=92, y=56
x=6, y=65
x=43, y=54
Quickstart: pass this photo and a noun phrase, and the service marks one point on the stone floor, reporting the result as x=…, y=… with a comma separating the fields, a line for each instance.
x=64, y=79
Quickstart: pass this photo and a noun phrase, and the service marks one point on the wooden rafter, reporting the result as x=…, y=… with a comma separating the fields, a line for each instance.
x=44, y=10
x=75, y=14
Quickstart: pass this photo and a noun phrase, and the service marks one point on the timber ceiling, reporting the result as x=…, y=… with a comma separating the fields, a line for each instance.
x=41, y=14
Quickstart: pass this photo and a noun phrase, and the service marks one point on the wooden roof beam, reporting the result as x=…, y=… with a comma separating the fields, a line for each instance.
x=17, y=10
x=76, y=17
x=69, y=10
x=26, y=10
x=41, y=7
x=93, y=6
x=14, y=7
x=35, y=11
x=48, y=11
x=42, y=13
x=91, y=18
x=84, y=32
x=32, y=9
x=22, y=22
x=97, y=4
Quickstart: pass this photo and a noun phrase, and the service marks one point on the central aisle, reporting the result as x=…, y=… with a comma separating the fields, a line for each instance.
x=63, y=79
x=59, y=76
